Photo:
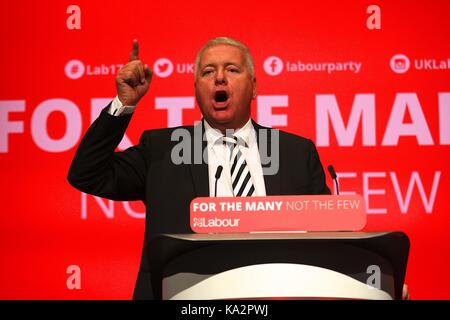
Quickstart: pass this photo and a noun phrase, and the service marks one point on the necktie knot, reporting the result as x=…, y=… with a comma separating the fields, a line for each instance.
x=230, y=140
x=233, y=141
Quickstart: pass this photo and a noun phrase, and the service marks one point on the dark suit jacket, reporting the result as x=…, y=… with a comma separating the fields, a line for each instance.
x=145, y=172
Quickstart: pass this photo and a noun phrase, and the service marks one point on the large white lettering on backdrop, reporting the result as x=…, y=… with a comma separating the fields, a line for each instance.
x=328, y=112
x=362, y=114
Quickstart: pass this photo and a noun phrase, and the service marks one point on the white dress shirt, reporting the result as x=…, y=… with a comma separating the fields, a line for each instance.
x=219, y=154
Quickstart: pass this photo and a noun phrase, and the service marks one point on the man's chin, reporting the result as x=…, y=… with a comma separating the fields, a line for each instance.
x=221, y=116
x=220, y=123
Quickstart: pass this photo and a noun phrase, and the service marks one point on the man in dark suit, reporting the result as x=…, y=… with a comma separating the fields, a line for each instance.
x=166, y=173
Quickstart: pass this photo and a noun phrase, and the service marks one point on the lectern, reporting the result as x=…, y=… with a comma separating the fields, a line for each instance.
x=308, y=265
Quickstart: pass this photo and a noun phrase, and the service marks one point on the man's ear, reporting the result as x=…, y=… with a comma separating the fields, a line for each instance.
x=254, y=88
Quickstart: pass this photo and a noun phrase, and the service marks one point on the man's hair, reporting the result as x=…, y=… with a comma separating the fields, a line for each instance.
x=230, y=42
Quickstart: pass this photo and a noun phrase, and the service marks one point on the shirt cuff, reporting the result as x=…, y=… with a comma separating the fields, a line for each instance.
x=117, y=108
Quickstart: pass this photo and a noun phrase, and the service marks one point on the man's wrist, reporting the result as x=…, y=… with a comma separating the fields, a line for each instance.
x=118, y=109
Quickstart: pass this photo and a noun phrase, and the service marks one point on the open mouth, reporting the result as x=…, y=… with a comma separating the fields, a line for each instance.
x=221, y=98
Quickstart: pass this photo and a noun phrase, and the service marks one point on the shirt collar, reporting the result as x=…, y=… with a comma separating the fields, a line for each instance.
x=243, y=134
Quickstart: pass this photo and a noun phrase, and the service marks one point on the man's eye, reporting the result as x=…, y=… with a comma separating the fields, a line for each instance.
x=206, y=72
x=233, y=70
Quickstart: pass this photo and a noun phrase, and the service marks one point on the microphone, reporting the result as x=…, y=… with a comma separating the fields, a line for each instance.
x=334, y=177
x=217, y=176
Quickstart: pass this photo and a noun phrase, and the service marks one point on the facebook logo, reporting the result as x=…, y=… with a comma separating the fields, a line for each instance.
x=273, y=65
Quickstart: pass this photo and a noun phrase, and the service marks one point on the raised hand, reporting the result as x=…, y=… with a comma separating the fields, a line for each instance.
x=133, y=80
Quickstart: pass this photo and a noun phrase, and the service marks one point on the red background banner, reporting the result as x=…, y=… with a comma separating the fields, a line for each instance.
x=375, y=101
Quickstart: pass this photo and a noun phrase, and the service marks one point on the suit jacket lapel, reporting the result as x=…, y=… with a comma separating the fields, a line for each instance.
x=272, y=182
x=199, y=171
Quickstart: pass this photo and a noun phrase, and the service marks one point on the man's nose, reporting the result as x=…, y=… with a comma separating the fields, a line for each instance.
x=220, y=78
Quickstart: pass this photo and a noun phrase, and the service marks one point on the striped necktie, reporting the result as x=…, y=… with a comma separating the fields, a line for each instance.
x=240, y=174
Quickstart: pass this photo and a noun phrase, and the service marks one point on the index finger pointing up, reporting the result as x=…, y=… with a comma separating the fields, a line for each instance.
x=134, y=54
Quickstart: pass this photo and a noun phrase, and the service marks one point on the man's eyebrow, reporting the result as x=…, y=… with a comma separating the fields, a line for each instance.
x=226, y=64
x=208, y=65
x=232, y=64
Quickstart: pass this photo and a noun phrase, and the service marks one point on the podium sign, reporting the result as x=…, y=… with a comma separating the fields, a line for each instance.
x=278, y=213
